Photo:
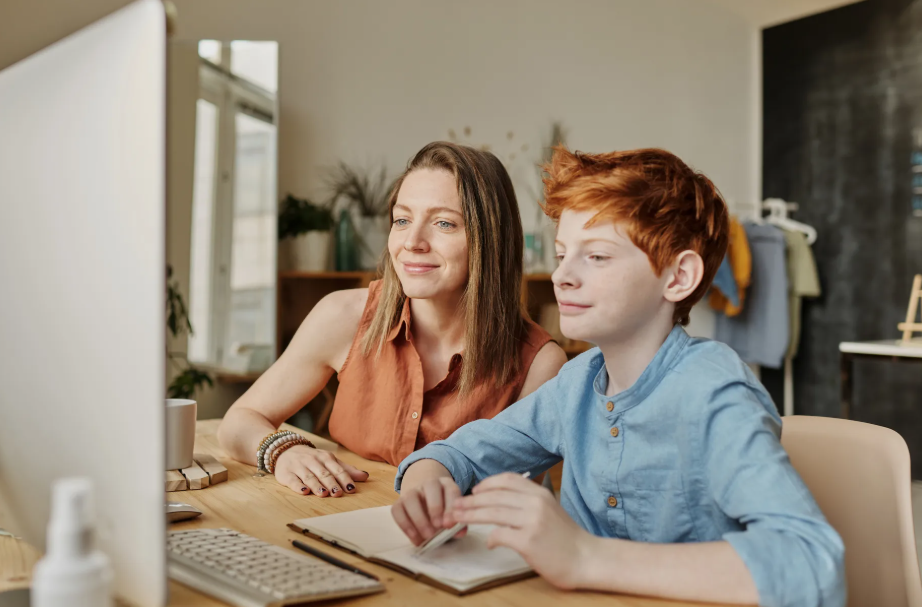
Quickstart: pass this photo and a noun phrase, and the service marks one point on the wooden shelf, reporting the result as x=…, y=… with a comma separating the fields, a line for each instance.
x=358, y=275
x=576, y=348
x=236, y=378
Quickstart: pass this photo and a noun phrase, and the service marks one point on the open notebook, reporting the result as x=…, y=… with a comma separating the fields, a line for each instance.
x=461, y=566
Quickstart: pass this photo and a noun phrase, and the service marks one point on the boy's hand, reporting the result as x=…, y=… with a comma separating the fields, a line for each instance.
x=531, y=522
x=420, y=510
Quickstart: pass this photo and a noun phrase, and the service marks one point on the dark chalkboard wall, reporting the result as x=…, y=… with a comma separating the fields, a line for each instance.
x=842, y=99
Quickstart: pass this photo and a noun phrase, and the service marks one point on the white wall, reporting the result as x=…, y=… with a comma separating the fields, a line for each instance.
x=371, y=82
x=368, y=81
x=767, y=13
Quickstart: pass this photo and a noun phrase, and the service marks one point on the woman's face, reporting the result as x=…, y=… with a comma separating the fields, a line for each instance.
x=427, y=243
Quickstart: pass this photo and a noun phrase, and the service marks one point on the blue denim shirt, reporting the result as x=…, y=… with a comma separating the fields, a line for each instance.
x=696, y=458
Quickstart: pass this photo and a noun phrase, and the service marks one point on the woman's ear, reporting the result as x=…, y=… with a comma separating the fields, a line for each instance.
x=685, y=275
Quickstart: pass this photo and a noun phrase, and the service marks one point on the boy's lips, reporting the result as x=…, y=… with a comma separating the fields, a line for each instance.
x=568, y=308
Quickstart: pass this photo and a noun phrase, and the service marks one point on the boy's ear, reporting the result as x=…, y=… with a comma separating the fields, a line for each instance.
x=683, y=276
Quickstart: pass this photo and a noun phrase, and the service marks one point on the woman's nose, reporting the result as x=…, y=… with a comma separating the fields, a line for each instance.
x=416, y=240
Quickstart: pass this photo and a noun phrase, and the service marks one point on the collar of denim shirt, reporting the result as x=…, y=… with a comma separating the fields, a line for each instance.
x=665, y=358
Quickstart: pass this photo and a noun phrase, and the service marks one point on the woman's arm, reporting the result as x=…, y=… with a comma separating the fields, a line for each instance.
x=319, y=348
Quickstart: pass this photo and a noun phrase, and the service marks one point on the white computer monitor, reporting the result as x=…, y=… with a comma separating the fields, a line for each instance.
x=82, y=275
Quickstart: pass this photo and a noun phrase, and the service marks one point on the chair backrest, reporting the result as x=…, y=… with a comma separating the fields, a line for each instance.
x=860, y=476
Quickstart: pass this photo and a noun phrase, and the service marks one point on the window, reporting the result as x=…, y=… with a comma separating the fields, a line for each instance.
x=234, y=214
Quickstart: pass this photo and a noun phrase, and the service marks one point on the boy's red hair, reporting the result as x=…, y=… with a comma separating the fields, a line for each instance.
x=667, y=207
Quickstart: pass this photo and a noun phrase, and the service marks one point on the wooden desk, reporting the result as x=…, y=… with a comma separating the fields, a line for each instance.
x=261, y=507
x=892, y=349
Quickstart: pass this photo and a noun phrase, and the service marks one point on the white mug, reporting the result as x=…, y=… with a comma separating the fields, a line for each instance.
x=180, y=432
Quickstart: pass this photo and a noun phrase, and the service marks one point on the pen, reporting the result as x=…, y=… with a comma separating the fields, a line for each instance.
x=331, y=560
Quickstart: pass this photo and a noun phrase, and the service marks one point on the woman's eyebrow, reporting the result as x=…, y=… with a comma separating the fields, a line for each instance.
x=431, y=210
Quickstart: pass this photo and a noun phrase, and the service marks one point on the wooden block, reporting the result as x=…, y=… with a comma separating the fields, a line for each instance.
x=198, y=478
x=216, y=471
x=175, y=481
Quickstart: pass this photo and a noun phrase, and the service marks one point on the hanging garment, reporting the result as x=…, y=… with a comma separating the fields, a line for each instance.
x=761, y=332
x=739, y=258
x=804, y=281
x=725, y=282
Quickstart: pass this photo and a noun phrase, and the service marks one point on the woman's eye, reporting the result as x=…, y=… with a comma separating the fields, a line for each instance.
x=445, y=225
x=598, y=257
x=400, y=222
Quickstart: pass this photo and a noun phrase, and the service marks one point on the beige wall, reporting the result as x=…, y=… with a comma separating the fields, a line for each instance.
x=29, y=26
x=368, y=81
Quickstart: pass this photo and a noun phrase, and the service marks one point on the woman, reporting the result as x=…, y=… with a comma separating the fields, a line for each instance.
x=440, y=341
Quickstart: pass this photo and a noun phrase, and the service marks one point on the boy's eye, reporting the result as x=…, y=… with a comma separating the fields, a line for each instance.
x=598, y=257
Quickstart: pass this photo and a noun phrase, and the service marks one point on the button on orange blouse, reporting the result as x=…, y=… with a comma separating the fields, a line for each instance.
x=381, y=411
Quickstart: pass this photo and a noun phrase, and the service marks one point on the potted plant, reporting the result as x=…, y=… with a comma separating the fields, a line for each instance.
x=306, y=228
x=188, y=378
x=367, y=195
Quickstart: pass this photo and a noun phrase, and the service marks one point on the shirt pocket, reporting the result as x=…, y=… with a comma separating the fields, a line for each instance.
x=656, y=509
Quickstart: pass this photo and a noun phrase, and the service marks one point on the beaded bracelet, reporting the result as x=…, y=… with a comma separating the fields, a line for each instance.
x=264, y=444
x=278, y=452
x=267, y=454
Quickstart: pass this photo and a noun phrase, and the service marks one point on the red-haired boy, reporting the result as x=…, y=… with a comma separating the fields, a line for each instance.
x=674, y=481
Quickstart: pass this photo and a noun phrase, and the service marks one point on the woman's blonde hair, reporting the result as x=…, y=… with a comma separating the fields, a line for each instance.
x=494, y=312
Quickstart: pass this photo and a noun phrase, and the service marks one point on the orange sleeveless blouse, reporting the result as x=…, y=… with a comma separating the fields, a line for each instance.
x=381, y=411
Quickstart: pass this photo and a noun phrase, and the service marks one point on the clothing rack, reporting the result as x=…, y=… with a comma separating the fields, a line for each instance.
x=778, y=210
x=779, y=215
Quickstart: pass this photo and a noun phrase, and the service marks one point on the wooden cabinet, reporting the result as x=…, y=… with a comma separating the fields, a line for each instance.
x=299, y=292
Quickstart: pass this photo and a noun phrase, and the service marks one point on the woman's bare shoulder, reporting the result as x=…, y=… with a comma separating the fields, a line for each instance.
x=343, y=306
x=327, y=332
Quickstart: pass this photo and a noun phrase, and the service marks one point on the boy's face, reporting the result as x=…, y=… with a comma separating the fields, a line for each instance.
x=605, y=286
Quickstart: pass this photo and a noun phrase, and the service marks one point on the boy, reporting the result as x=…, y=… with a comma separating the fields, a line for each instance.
x=675, y=483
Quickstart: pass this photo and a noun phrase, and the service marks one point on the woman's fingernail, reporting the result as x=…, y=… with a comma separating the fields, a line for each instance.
x=334, y=490
x=350, y=487
x=303, y=489
x=366, y=474
x=323, y=490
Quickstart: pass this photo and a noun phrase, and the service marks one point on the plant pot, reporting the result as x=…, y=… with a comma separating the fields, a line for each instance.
x=310, y=252
x=372, y=233
x=285, y=260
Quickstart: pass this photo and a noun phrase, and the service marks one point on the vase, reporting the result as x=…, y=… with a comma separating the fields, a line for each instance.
x=346, y=245
x=310, y=252
x=372, y=233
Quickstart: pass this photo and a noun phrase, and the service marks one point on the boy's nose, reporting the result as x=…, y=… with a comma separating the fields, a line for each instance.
x=563, y=277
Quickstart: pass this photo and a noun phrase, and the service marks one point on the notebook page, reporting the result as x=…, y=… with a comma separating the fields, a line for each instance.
x=466, y=561
x=368, y=531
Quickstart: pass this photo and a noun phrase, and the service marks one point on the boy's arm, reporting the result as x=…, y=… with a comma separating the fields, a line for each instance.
x=786, y=556
x=525, y=436
x=793, y=555
x=708, y=572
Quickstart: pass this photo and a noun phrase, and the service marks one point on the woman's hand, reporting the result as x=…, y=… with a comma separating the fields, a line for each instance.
x=307, y=470
x=420, y=510
x=531, y=522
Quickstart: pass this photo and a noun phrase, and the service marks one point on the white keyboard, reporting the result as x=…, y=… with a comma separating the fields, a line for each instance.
x=247, y=572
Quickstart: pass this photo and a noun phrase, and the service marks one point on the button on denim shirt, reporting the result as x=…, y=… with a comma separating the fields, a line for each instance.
x=696, y=457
